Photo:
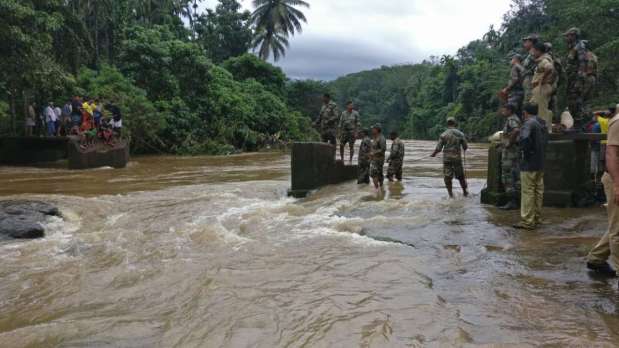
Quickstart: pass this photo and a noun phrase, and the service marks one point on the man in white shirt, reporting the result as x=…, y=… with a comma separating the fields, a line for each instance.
x=50, y=119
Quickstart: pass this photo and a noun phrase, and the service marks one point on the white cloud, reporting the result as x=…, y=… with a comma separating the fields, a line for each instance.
x=345, y=36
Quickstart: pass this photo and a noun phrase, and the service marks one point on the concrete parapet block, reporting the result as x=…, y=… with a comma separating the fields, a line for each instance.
x=313, y=165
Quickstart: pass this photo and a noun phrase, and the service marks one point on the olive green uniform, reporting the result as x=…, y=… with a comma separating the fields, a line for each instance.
x=364, y=160
x=348, y=125
x=515, y=89
x=510, y=156
x=581, y=70
x=377, y=161
x=527, y=76
x=327, y=122
x=396, y=160
x=451, y=143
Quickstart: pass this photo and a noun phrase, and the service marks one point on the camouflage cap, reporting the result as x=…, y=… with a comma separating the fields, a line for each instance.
x=572, y=31
x=531, y=37
x=377, y=126
x=451, y=120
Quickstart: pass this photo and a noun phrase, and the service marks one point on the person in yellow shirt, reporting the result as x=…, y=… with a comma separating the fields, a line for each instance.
x=89, y=106
x=603, y=121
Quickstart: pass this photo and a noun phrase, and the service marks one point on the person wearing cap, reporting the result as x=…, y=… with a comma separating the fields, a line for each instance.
x=377, y=156
x=452, y=143
x=327, y=121
x=542, y=83
x=510, y=157
x=581, y=70
x=514, y=89
x=607, y=248
x=528, y=64
x=363, y=160
x=532, y=142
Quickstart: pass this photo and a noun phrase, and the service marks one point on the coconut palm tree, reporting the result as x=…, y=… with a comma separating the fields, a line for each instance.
x=275, y=21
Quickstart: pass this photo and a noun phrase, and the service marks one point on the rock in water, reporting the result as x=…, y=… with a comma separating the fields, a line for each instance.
x=23, y=219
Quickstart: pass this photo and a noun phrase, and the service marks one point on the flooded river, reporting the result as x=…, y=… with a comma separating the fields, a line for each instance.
x=209, y=252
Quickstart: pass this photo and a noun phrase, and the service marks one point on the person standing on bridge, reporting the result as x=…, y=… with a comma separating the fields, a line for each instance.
x=608, y=247
x=327, y=121
x=542, y=83
x=528, y=64
x=514, y=90
x=364, y=158
x=510, y=157
x=532, y=141
x=348, y=127
x=452, y=143
x=396, y=158
x=377, y=156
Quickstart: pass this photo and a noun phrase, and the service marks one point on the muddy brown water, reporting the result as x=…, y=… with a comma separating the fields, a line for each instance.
x=209, y=252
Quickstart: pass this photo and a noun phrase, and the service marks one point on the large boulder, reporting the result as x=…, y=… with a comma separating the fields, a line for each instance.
x=24, y=219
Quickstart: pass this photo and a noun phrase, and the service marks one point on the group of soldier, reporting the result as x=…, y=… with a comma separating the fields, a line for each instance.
x=344, y=127
x=535, y=78
x=371, y=159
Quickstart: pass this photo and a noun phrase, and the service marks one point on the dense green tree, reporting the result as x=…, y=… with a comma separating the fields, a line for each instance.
x=249, y=66
x=275, y=21
x=225, y=32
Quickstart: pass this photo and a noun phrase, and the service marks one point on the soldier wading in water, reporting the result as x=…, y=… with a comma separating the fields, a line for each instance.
x=452, y=142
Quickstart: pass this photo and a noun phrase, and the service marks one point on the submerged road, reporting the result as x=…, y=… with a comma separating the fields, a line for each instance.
x=209, y=252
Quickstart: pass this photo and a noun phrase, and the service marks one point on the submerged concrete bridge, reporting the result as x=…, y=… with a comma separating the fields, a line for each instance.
x=567, y=181
x=27, y=151
x=314, y=165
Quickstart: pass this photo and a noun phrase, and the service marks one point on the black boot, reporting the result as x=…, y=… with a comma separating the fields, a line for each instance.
x=602, y=269
x=511, y=205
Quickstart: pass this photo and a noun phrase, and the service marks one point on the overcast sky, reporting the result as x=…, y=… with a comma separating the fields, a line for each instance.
x=346, y=36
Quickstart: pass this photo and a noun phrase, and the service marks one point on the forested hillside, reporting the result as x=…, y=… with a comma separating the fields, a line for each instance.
x=416, y=99
x=184, y=80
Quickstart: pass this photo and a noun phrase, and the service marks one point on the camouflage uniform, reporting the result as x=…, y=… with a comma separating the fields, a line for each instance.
x=529, y=66
x=327, y=122
x=451, y=143
x=349, y=125
x=377, y=161
x=364, y=160
x=396, y=160
x=510, y=159
x=581, y=71
x=556, y=78
x=515, y=88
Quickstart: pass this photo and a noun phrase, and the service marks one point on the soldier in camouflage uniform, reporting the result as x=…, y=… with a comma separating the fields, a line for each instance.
x=452, y=142
x=581, y=71
x=528, y=64
x=556, y=78
x=327, y=121
x=377, y=156
x=510, y=157
x=396, y=158
x=349, y=126
x=514, y=89
x=364, y=158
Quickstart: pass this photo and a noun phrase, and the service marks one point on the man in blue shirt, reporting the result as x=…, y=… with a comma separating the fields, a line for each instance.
x=532, y=140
